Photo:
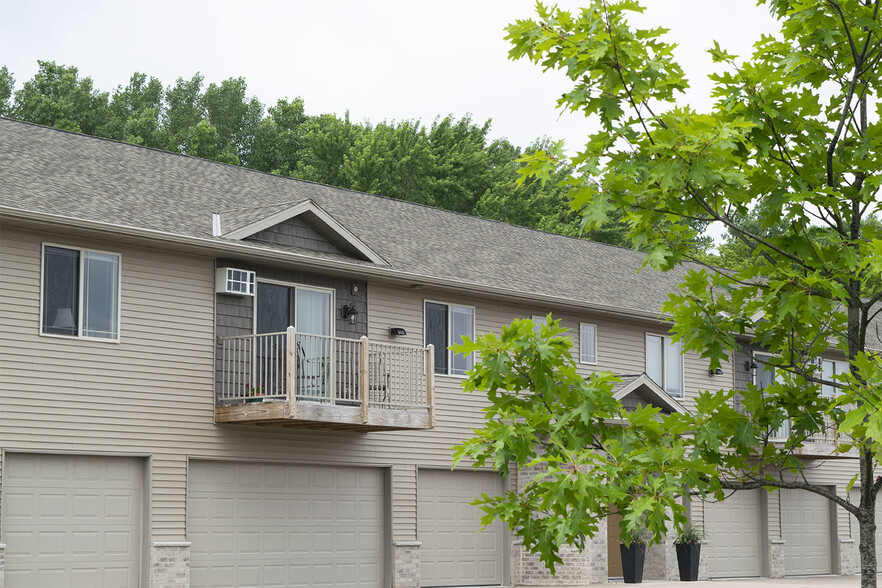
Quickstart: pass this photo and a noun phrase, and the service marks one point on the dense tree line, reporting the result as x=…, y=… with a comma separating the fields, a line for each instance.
x=451, y=164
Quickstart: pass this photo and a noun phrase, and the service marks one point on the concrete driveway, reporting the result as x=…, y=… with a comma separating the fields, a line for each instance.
x=803, y=582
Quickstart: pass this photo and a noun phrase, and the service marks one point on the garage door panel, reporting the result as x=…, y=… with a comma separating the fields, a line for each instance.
x=806, y=527
x=72, y=520
x=455, y=552
x=733, y=529
x=285, y=525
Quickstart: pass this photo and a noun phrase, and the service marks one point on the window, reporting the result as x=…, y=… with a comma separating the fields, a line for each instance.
x=829, y=369
x=80, y=293
x=539, y=322
x=279, y=306
x=446, y=325
x=664, y=363
x=587, y=343
x=766, y=376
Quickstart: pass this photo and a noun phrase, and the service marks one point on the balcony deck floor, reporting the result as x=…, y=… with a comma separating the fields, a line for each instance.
x=318, y=415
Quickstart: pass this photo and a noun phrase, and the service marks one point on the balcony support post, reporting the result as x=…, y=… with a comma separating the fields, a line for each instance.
x=363, y=377
x=430, y=383
x=291, y=367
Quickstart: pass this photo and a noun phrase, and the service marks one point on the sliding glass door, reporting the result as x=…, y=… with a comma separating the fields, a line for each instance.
x=310, y=311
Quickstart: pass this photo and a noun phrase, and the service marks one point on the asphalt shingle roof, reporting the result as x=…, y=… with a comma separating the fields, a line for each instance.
x=55, y=172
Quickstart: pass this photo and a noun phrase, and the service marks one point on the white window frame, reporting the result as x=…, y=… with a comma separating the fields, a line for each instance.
x=539, y=321
x=450, y=352
x=582, y=359
x=80, y=287
x=839, y=366
x=782, y=433
x=665, y=344
x=297, y=286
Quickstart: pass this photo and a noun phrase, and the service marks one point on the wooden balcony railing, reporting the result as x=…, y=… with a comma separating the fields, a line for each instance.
x=294, y=368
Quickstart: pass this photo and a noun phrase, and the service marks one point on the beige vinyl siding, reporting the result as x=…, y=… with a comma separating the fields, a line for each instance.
x=404, y=502
x=133, y=397
x=621, y=345
x=153, y=392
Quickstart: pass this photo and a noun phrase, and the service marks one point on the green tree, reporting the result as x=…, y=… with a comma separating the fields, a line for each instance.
x=235, y=116
x=136, y=112
x=329, y=140
x=57, y=96
x=462, y=173
x=280, y=141
x=7, y=86
x=790, y=139
x=393, y=160
x=184, y=111
x=543, y=205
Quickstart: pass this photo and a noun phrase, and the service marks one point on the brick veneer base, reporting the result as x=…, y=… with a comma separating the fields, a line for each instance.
x=776, y=558
x=849, y=557
x=406, y=564
x=170, y=565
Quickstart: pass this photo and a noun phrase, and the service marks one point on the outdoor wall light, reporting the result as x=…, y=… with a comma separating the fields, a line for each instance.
x=396, y=331
x=749, y=365
x=715, y=372
x=349, y=312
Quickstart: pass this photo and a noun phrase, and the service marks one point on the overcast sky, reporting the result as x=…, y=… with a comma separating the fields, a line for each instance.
x=381, y=60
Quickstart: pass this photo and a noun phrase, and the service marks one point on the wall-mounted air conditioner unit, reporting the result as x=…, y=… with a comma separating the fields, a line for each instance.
x=229, y=280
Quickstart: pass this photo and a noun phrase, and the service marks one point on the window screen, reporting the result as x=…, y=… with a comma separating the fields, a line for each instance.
x=61, y=291
x=436, y=334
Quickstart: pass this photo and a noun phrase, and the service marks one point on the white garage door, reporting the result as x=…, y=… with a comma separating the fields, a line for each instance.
x=733, y=534
x=72, y=520
x=284, y=525
x=805, y=525
x=455, y=552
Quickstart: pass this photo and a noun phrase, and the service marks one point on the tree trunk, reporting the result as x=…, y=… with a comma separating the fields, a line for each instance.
x=867, y=522
x=868, y=550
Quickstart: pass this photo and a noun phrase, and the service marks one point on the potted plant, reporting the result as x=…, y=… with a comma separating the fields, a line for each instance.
x=633, y=556
x=688, y=546
x=254, y=393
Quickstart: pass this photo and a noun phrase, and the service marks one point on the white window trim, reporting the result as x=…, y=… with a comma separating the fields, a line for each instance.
x=836, y=364
x=79, y=334
x=538, y=321
x=682, y=363
x=296, y=286
x=773, y=435
x=450, y=353
x=581, y=360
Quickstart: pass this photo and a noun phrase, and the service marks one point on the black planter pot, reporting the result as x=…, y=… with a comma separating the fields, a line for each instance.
x=687, y=561
x=632, y=562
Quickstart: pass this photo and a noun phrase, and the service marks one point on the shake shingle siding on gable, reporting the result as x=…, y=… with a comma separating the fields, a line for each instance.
x=296, y=232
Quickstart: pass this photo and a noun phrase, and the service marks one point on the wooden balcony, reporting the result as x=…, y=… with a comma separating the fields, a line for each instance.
x=825, y=443
x=292, y=379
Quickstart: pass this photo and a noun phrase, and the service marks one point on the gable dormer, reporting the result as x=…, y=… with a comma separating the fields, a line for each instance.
x=304, y=225
x=640, y=390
